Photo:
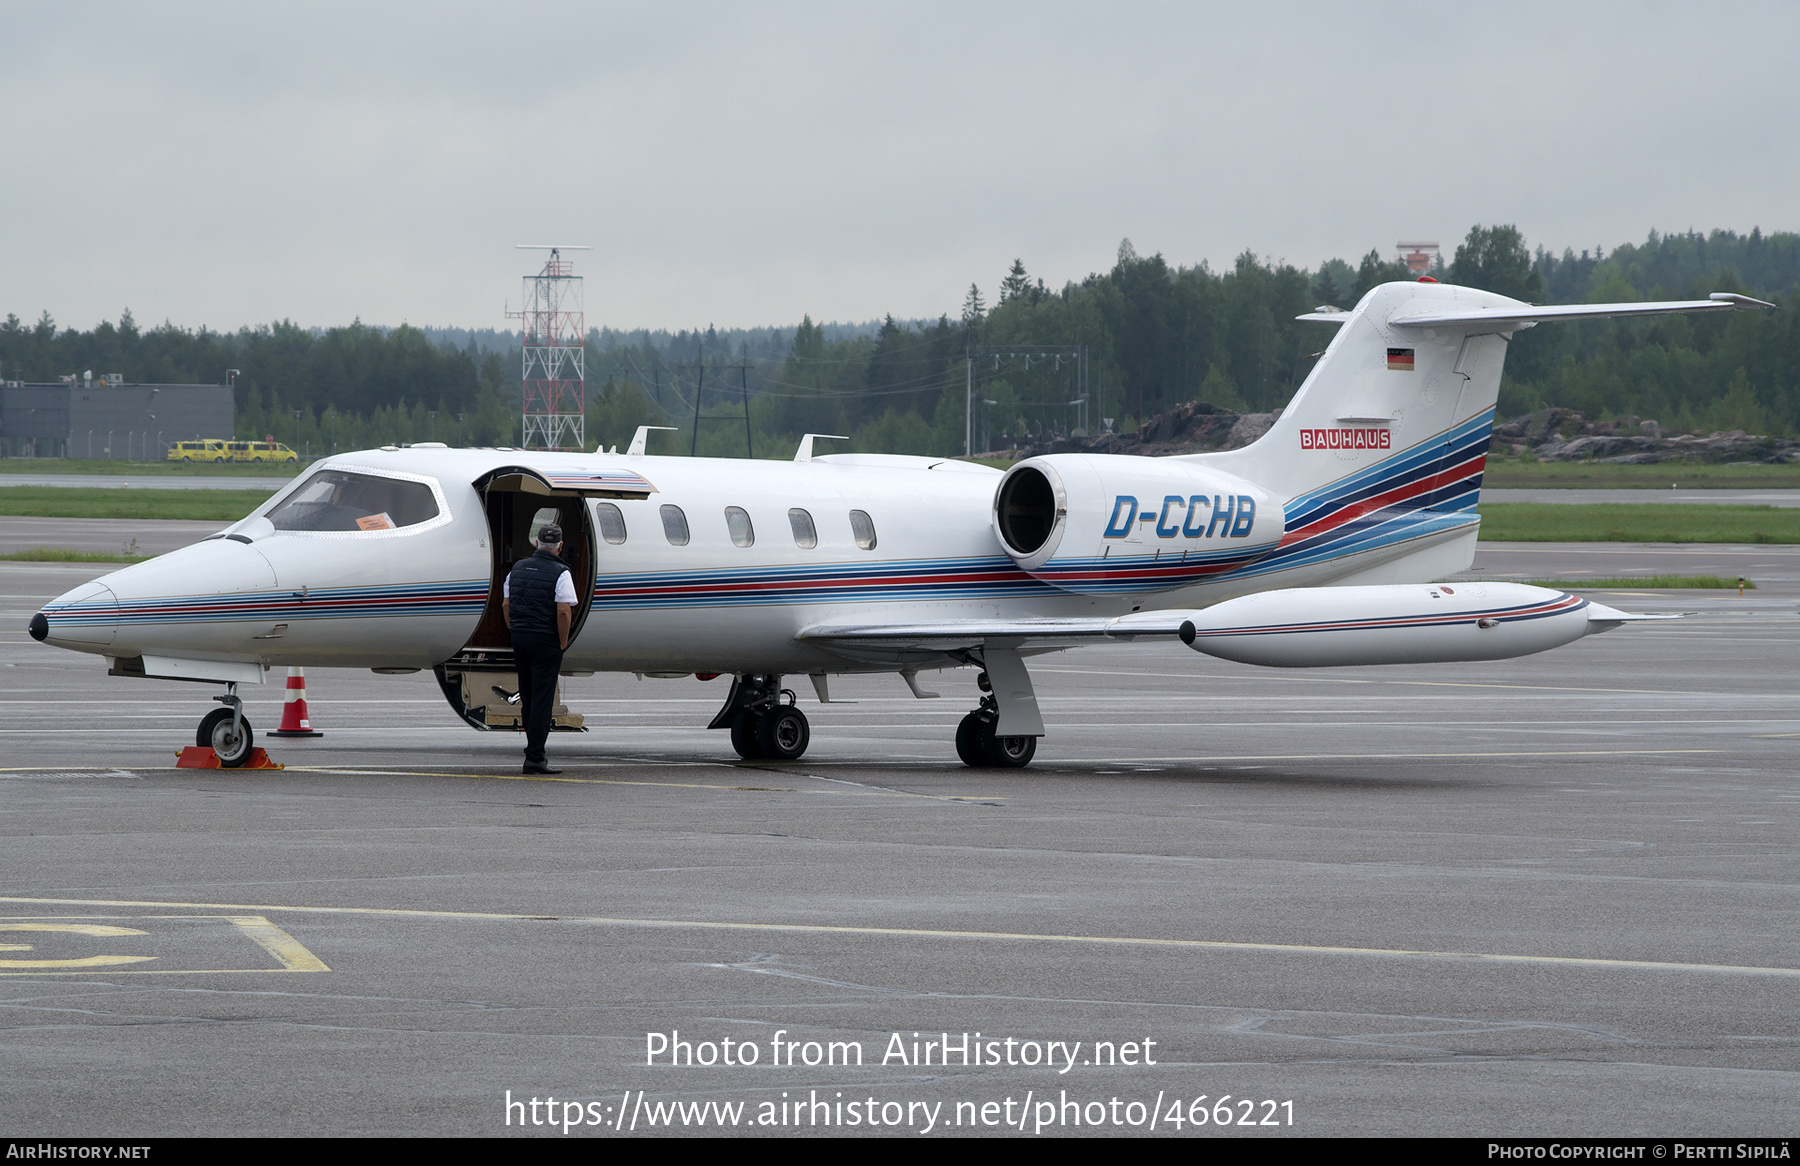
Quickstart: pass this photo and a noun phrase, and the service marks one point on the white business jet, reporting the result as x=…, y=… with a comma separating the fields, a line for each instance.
x=1316, y=545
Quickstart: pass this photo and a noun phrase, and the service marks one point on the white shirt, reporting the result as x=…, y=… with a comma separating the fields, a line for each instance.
x=565, y=588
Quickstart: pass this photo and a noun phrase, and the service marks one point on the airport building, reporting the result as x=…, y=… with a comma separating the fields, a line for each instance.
x=85, y=417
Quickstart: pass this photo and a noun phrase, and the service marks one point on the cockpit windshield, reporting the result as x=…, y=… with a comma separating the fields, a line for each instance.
x=340, y=500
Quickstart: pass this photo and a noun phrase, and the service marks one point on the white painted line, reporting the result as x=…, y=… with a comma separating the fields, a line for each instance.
x=934, y=933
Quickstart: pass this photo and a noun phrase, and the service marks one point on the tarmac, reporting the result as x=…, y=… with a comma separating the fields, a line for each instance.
x=1552, y=896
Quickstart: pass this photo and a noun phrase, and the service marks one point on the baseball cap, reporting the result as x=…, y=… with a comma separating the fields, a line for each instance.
x=549, y=535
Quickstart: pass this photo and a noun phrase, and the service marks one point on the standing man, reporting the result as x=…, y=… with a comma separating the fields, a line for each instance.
x=538, y=600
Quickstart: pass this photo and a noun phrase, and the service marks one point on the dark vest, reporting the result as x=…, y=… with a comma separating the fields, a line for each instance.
x=531, y=594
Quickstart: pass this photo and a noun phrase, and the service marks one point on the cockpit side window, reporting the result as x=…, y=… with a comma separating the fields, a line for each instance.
x=338, y=500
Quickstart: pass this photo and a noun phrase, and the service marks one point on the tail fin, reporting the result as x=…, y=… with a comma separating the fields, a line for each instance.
x=1409, y=385
x=1382, y=449
x=1390, y=406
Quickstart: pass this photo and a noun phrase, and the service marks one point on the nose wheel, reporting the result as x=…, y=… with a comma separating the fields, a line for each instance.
x=227, y=731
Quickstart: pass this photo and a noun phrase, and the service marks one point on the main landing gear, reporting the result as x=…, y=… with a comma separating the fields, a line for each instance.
x=227, y=730
x=765, y=722
x=766, y=725
x=980, y=746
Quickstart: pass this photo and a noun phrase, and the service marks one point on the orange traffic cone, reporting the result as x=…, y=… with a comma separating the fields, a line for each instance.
x=294, y=721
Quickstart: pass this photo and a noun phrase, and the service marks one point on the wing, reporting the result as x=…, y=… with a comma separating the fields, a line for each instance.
x=1295, y=627
x=916, y=642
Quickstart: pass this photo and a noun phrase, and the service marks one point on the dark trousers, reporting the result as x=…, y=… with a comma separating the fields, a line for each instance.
x=538, y=659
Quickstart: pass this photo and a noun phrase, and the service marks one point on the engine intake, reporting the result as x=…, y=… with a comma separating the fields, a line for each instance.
x=1101, y=525
x=1027, y=510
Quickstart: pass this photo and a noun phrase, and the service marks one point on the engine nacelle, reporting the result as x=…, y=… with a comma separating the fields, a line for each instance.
x=1102, y=524
x=1415, y=623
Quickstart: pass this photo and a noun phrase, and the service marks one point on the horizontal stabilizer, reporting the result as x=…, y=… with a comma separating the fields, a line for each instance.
x=1525, y=317
x=1602, y=618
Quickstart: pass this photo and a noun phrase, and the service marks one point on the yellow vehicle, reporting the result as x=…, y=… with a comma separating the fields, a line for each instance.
x=262, y=451
x=204, y=450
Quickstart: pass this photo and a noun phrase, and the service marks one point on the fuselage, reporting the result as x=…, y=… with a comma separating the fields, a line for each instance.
x=693, y=589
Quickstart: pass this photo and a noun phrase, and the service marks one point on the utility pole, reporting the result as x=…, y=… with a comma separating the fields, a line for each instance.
x=744, y=382
x=699, y=391
x=968, y=403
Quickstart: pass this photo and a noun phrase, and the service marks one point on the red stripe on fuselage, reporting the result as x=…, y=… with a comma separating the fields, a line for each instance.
x=1352, y=511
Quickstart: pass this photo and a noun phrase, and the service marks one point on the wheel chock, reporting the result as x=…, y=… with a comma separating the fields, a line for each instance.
x=203, y=757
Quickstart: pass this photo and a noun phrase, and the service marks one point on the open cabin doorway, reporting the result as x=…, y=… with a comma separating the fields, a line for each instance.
x=514, y=517
x=479, y=681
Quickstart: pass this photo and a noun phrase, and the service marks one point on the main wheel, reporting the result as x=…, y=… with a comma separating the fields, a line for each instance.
x=968, y=741
x=233, y=748
x=782, y=733
x=1006, y=752
x=743, y=736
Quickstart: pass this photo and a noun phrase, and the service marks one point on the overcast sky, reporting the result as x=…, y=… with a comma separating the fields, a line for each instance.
x=741, y=164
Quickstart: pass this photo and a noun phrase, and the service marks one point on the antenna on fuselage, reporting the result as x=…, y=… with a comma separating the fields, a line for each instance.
x=804, y=453
x=638, y=441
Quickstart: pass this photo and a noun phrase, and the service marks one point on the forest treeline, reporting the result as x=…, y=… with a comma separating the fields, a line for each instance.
x=1036, y=361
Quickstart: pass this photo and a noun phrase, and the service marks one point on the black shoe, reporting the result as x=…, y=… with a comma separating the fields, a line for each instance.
x=542, y=767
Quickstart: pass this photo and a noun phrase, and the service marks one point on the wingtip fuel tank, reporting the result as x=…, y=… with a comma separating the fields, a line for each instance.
x=1419, y=623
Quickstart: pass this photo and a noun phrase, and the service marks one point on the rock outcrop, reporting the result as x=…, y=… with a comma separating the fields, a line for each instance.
x=1564, y=435
x=1559, y=435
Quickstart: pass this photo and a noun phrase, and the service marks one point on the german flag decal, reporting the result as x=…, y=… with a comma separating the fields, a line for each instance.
x=1400, y=360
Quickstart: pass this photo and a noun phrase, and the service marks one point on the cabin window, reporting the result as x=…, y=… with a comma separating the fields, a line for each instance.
x=612, y=523
x=340, y=500
x=737, y=521
x=544, y=517
x=806, y=536
x=675, y=526
x=863, y=527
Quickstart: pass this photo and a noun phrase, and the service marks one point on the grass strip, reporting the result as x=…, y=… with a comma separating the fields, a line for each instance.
x=65, y=555
x=1637, y=522
x=1507, y=474
x=93, y=502
x=1642, y=583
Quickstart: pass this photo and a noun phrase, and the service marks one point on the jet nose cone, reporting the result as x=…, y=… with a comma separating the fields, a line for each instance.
x=85, y=619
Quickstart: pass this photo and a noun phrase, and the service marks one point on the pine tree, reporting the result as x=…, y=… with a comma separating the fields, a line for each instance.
x=973, y=311
x=1016, y=283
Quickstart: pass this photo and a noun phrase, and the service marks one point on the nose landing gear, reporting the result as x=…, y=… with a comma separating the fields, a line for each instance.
x=227, y=731
x=980, y=746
